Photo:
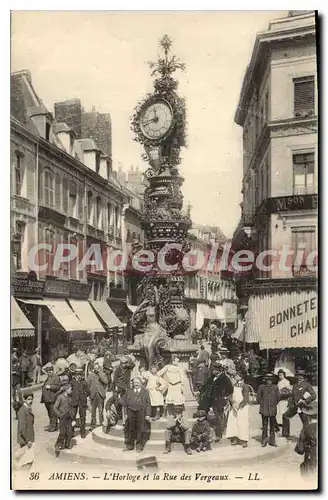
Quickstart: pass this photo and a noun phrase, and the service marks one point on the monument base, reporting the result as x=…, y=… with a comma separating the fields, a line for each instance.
x=180, y=346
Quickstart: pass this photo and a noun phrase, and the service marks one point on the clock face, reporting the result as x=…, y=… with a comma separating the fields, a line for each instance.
x=156, y=120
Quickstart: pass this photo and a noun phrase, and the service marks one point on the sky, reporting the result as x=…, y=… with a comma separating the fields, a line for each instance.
x=101, y=58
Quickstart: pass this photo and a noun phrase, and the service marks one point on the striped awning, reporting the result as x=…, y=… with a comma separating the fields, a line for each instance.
x=61, y=311
x=20, y=325
x=106, y=314
x=86, y=315
x=283, y=320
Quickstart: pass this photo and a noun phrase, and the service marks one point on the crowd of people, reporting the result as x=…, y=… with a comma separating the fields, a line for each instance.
x=220, y=384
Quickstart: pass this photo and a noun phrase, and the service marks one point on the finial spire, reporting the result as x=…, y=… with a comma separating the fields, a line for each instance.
x=165, y=66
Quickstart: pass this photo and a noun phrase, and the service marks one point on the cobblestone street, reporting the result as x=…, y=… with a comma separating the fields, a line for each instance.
x=268, y=466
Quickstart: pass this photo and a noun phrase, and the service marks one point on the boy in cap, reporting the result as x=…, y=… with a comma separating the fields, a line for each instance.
x=50, y=390
x=63, y=409
x=201, y=433
x=302, y=394
x=177, y=430
x=268, y=399
x=80, y=393
x=307, y=441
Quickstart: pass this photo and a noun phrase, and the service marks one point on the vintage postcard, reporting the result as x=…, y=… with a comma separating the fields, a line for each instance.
x=164, y=203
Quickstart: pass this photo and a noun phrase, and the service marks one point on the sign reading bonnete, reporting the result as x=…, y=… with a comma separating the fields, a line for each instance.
x=303, y=310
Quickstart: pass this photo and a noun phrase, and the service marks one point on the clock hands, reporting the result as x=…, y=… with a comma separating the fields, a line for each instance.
x=150, y=121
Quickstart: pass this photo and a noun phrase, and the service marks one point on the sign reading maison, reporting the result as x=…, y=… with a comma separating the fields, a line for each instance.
x=297, y=202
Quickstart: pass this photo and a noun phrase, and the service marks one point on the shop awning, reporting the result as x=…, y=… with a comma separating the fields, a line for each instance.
x=88, y=318
x=283, y=320
x=240, y=332
x=61, y=311
x=199, y=316
x=20, y=325
x=220, y=313
x=204, y=311
x=106, y=314
x=212, y=313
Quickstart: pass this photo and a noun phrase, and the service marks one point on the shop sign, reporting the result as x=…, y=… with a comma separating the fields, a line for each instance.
x=26, y=288
x=80, y=290
x=54, y=288
x=297, y=202
x=283, y=320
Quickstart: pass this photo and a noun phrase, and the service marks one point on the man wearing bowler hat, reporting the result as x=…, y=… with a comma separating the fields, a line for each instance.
x=215, y=394
x=226, y=362
x=307, y=441
x=302, y=394
x=268, y=399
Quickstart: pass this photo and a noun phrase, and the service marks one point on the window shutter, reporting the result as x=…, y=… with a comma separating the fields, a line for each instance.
x=30, y=186
x=80, y=204
x=304, y=96
x=65, y=195
x=58, y=183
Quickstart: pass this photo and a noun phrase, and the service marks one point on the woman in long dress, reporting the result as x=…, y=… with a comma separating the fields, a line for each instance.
x=156, y=387
x=238, y=418
x=174, y=377
x=285, y=390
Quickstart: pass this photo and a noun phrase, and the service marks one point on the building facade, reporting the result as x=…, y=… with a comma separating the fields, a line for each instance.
x=63, y=192
x=278, y=110
x=210, y=294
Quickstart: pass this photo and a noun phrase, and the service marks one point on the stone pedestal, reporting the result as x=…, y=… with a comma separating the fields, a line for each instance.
x=180, y=346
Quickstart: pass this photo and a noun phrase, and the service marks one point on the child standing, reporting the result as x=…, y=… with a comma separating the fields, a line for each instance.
x=201, y=432
x=64, y=410
x=156, y=387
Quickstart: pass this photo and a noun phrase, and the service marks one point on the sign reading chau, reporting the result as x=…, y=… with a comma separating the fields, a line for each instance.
x=283, y=320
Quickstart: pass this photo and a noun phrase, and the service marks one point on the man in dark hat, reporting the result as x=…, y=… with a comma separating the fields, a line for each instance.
x=225, y=361
x=302, y=394
x=138, y=413
x=307, y=441
x=50, y=389
x=201, y=433
x=80, y=393
x=268, y=399
x=215, y=393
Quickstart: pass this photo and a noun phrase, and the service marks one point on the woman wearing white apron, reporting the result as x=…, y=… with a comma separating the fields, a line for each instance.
x=285, y=391
x=174, y=376
x=238, y=418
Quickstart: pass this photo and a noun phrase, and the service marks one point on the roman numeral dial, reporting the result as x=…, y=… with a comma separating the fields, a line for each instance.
x=156, y=119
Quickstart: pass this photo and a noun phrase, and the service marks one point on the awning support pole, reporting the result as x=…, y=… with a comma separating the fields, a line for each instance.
x=39, y=331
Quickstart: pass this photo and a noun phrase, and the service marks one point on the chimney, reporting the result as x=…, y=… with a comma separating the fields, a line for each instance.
x=70, y=112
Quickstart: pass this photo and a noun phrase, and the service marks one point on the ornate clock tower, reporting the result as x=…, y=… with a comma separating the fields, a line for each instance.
x=159, y=124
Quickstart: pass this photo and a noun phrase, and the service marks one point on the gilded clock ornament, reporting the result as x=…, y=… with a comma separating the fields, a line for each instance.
x=159, y=124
